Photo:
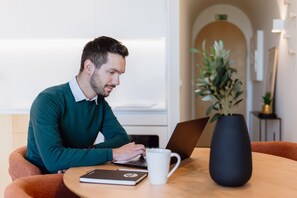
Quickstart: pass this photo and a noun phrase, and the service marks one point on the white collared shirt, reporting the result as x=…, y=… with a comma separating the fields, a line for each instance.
x=77, y=92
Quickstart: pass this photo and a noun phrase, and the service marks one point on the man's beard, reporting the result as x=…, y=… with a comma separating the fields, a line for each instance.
x=99, y=90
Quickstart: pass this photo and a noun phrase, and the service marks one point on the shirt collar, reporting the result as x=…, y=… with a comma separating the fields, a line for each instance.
x=77, y=92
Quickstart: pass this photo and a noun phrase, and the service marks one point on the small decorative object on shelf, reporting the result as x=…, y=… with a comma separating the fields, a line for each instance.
x=267, y=103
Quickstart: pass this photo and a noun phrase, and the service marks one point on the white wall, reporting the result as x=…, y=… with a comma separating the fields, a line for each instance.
x=286, y=94
x=286, y=90
x=50, y=37
x=30, y=65
x=144, y=81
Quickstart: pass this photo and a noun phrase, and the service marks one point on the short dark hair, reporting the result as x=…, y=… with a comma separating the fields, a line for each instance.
x=98, y=49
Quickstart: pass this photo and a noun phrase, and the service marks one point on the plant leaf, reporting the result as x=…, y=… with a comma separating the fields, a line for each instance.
x=216, y=82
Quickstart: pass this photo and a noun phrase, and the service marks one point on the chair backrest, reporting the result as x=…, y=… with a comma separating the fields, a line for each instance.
x=279, y=148
x=19, y=166
x=38, y=186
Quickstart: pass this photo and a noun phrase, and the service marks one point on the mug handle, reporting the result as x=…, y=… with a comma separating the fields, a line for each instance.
x=176, y=165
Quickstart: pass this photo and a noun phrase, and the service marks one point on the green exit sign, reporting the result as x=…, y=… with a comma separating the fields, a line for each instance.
x=221, y=17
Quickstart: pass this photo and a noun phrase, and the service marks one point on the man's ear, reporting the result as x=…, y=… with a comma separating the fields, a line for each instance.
x=89, y=67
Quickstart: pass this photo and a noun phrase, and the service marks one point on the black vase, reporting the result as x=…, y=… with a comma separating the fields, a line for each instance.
x=230, y=155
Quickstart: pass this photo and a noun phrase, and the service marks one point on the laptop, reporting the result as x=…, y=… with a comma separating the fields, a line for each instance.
x=182, y=141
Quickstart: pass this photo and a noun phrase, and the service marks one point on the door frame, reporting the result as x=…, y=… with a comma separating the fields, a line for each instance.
x=239, y=19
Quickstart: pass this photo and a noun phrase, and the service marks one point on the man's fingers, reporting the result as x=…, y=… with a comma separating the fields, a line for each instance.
x=128, y=151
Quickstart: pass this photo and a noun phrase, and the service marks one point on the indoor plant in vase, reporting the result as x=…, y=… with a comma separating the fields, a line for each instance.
x=230, y=154
x=267, y=100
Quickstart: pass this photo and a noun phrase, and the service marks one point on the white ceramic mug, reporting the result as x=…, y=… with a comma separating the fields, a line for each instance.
x=158, y=163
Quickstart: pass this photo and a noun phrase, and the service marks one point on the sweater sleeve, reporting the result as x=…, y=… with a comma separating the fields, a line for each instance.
x=44, y=120
x=113, y=132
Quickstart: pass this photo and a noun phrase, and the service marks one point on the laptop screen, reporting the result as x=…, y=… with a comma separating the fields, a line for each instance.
x=183, y=141
x=185, y=136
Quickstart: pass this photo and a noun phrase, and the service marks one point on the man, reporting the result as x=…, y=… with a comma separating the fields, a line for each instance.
x=66, y=119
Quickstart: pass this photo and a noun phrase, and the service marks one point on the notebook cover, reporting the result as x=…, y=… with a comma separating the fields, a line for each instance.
x=118, y=177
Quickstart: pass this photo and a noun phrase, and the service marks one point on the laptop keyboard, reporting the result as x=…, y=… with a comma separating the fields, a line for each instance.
x=138, y=161
x=141, y=161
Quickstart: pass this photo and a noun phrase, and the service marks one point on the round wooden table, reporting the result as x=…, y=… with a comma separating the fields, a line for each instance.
x=272, y=177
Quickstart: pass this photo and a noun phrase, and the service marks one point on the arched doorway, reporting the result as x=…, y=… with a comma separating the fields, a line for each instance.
x=234, y=41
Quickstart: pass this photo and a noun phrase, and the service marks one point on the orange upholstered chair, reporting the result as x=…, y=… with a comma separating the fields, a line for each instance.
x=39, y=186
x=279, y=148
x=19, y=166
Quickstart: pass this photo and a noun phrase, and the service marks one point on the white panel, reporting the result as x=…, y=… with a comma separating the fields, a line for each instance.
x=59, y=19
x=11, y=19
x=43, y=53
x=259, y=56
x=160, y=131
x=144, y=82
x=142, y=117
x=29, y=66
x=131, y=19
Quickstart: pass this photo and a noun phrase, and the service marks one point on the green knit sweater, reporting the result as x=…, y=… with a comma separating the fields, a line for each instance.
x=62, y=132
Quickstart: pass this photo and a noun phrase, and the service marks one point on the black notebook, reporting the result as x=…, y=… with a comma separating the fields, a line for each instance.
x=120, y=177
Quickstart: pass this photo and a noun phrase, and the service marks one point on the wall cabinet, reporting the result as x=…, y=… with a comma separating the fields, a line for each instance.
x=160, y=131
x=135, y=123
x=147, y=122
x=113, y=17
x=59, y=19
x=52, y=34
x=27, y=19
x=11, y=19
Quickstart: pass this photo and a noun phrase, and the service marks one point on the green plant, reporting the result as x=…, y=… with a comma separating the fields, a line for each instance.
x=216, y=82
x=267, y=99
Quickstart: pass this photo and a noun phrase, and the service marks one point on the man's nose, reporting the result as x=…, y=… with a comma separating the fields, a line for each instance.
x=116, y=80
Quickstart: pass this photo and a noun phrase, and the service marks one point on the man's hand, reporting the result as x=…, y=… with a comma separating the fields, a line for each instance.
x=128, y=151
